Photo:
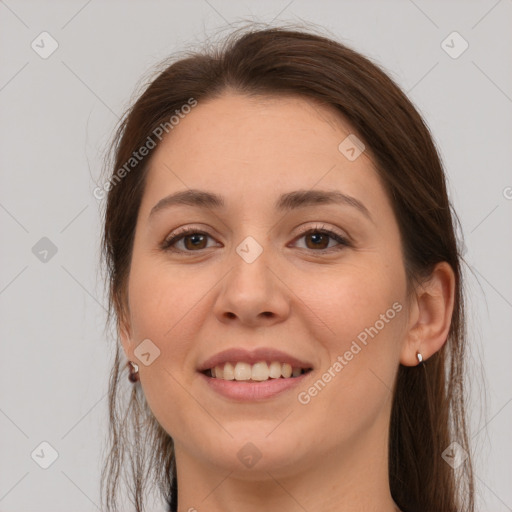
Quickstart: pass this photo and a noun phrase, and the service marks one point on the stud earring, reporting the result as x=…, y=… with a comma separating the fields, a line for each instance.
x=419, y=357
x=134, y=372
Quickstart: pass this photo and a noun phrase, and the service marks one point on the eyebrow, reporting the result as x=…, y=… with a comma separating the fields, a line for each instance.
x=286, y=202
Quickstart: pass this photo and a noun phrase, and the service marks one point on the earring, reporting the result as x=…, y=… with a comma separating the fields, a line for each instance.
x=134, y=372
x=420, y=357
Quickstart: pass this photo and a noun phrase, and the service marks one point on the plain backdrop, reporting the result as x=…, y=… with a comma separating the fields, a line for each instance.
x=57, y=115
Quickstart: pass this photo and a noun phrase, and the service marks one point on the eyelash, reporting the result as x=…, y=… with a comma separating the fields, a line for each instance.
x=176, y=237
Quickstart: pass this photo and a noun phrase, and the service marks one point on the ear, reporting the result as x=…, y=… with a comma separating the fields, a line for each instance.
x=430, y=315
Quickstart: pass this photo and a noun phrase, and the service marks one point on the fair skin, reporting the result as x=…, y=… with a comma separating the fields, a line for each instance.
x=329, y=454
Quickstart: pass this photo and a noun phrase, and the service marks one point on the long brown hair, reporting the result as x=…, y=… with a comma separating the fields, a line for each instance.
x=428, y=412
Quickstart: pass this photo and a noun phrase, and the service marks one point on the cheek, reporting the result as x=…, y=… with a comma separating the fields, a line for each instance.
x=349, y=299
x=161, y=298
x=362, y=314
x=164, y=309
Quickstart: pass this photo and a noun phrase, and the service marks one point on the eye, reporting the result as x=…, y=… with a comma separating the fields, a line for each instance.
x=194, y=239
x=319, y=237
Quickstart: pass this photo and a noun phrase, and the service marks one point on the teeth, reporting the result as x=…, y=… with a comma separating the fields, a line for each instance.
x=226, y=373
x=243, y=371
x=275, y=370
x=259, y=371
x=286, y=370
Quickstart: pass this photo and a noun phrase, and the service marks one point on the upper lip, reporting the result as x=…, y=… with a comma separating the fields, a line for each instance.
x=252, y=356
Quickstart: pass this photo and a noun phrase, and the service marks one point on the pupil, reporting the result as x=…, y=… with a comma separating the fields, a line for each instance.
x=195, y=239
x=315, y=238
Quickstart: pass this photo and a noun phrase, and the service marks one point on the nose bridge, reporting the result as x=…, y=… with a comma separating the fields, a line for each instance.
x=251, y=267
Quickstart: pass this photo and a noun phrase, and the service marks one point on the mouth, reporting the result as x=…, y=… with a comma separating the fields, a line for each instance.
x=261, y=374
x=261, y=371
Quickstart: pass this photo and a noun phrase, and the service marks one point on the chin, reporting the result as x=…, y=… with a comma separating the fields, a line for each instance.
x=253, y=457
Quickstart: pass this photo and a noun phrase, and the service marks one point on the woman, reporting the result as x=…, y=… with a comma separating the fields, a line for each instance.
x=287, y=289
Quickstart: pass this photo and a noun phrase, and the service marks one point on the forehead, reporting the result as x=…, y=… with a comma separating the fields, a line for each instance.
x=253, y=147
x=237, y=124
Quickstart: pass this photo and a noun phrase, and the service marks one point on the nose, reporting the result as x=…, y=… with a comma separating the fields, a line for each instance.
x=253, y=293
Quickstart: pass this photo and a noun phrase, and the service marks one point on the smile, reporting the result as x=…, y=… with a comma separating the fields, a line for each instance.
x=258, y=372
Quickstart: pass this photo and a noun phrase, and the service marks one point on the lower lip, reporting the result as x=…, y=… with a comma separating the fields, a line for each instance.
x=244, y=391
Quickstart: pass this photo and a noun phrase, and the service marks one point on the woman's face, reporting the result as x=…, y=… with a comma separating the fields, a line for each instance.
x=251, y=280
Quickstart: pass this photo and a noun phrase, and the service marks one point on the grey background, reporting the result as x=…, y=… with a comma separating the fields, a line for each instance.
x=57, y=115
